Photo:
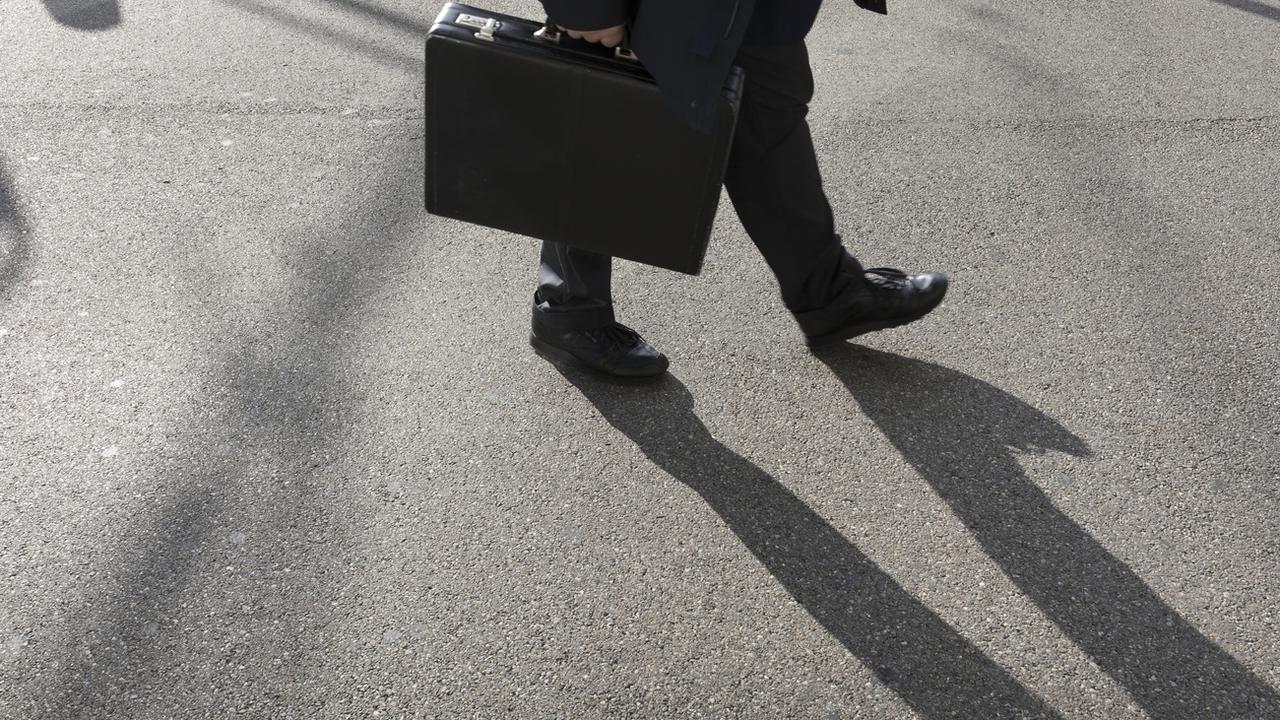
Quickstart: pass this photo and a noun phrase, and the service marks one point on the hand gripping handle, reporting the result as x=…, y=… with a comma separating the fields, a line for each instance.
x=550, y=32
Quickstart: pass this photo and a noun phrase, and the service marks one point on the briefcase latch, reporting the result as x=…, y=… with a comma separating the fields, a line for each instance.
x=548, y=33
x=486, y=26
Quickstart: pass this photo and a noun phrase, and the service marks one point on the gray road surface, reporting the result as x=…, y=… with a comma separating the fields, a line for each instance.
x=273, y=445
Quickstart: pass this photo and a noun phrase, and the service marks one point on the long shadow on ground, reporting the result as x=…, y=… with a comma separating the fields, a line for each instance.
x=913, y=651
x=964, y=436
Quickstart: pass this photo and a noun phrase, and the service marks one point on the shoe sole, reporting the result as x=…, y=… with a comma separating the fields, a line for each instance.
x=852, y=331
x=556, y=356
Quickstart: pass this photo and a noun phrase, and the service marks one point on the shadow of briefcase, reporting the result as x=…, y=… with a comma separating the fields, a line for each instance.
x=531, y=132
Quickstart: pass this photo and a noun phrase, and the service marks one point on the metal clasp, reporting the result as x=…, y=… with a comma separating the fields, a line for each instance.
x=548, y=33
x=624, y=53
x=487, y=26
x=486, y=32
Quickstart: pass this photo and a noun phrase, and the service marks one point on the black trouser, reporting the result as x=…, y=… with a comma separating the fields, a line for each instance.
x=775, y=186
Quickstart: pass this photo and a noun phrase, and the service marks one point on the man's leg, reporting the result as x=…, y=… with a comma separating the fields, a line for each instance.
x=776, y=188
x=774, y=182
x=573, y=289
x=573, y=316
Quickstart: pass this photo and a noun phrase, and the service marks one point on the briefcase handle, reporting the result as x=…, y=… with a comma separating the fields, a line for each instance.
x=550, y=32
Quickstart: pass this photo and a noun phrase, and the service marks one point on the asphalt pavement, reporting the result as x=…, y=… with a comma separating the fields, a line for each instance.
x=273, y=443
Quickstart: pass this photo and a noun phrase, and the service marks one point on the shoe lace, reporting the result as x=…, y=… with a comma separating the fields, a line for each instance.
x=886, y=279
x=618, y=335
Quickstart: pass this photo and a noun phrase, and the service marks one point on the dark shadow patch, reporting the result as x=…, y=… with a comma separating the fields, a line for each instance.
x=907, y=646
x=964, y=437
x=89, y=15
x=15, y=241
x=1251, y=6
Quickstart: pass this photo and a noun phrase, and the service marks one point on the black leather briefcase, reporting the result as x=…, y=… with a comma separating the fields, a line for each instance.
x=568, y=141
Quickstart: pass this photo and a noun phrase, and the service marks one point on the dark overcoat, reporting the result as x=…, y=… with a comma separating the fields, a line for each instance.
x=689, y=45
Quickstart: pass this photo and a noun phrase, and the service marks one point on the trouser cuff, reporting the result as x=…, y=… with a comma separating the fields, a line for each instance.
x=568, y=317
x=848, y=287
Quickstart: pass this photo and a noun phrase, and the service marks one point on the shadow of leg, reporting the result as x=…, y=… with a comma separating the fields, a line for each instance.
x=961, y=435
x=913, y=651
x=85, y=14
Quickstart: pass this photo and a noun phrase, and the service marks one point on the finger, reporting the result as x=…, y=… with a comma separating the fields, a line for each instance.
x=612, y=39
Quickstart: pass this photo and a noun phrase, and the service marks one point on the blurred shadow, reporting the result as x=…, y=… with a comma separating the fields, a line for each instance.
x=411, y=63
x=277, y=402
x=964, y=437
x=399, y=20
x=1251, y=6
x=909, y=648
x=85, y=14
x=15, y=245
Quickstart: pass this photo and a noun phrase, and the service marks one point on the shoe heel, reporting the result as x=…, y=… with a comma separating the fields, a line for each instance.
x=551, y=353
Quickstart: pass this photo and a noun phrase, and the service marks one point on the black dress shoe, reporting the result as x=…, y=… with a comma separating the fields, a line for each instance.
x=614, y=349
x=888, y=298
